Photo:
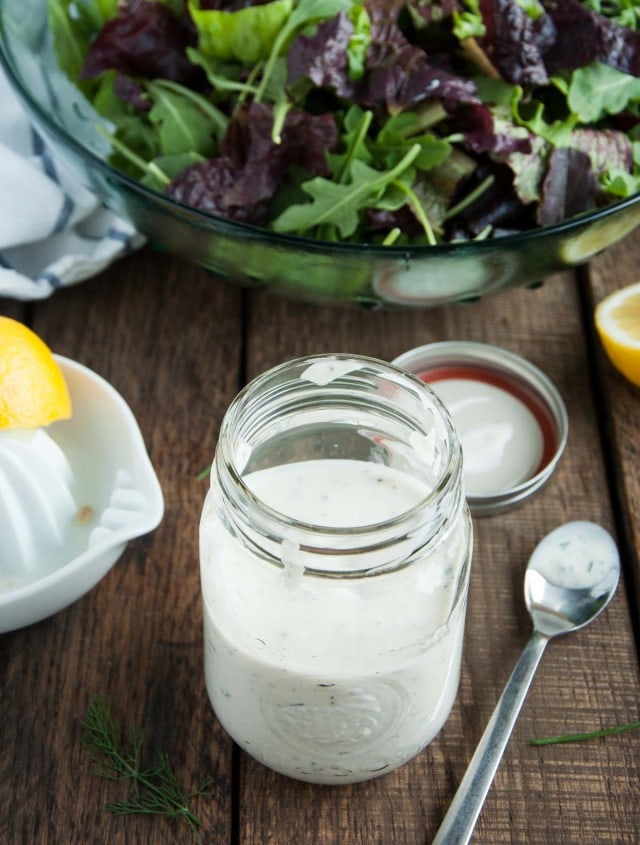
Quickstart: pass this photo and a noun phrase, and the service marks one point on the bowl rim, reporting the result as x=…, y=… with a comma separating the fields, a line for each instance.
x=208, y=220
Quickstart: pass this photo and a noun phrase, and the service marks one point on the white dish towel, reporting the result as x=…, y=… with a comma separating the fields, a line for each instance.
x=53, y=231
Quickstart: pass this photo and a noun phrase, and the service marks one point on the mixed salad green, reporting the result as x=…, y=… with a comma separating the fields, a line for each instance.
x=386, y=121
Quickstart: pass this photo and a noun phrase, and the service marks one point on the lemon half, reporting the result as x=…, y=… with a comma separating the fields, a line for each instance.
x=617, y=319
x=33, y=392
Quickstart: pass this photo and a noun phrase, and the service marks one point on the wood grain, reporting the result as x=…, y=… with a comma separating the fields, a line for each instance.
x=620, y=406
x=178, y=345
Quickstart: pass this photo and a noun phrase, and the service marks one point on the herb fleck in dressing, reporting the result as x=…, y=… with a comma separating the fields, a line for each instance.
x=578, y=563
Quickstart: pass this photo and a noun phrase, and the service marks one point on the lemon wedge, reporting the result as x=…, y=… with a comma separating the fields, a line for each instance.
x=617, y=319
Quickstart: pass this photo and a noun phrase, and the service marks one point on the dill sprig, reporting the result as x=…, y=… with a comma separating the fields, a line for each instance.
x=581, y=737
x=151, y=791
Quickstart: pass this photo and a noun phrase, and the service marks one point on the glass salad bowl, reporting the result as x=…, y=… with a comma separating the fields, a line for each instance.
x=292, y=266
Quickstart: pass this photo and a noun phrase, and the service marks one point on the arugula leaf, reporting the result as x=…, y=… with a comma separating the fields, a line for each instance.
x=107, y=102
x=278, y=94
x=183, y=125
x=224, y=78
x=400, y=132
x=356, y=125
x=133, y=130
x=598, y=89
x=433, y=150
x=416, y=206
x=73, y=26
x=71, y=36
x=184, y=97
x=340, y=204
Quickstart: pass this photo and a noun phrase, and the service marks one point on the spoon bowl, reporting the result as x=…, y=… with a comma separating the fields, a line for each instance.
x=571, y=577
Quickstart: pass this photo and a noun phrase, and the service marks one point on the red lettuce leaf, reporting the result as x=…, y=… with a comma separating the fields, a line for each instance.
x=568, y=188
x=144, y=40
x=322, y=57
x=477, y=124
x=582, y=37
x=400, y=75
x=206, y=185
x=132, y=92
x=569, y=35
x=515, y=42
x=498, y=207
x=408, y=79
x=605, y=147
x=251, y=168
x=380, y=220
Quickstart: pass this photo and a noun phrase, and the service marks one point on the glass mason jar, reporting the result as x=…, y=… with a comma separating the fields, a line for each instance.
x=335, y=547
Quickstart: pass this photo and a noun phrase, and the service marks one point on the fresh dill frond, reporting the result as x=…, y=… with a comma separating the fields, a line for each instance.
x=151, y=791
x=581, y=737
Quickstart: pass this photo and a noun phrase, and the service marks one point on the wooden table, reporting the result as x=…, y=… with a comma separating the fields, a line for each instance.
x=178, y=345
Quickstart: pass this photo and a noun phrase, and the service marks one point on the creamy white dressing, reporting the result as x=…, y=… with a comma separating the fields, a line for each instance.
x=337, y=493
x=578, y=562
x=502, y=443
x=322, y=679
x=326, y=370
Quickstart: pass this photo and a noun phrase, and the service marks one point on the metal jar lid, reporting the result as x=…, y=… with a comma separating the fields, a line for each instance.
x=511, y=419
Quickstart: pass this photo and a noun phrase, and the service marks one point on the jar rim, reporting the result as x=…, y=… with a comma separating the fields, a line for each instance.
x=230, y=469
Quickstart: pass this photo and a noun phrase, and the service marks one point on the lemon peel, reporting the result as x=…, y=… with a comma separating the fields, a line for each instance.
x=617, y=320
x=33, y=392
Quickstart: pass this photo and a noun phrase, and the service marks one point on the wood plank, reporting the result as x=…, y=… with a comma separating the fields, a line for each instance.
x=14, y=309
x=169, y=338
x=561, y=793
x=617, y=268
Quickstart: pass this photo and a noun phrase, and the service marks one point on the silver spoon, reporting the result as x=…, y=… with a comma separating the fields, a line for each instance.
x=571, y=577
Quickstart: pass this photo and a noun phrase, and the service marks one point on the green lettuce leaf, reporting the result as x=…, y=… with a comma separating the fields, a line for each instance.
x=620, y=184
x=359, y=41
x=468, y=23
x=246, y=35
x=598, y=90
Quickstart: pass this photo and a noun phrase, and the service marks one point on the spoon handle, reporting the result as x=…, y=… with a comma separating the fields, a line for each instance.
x=460, y=820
